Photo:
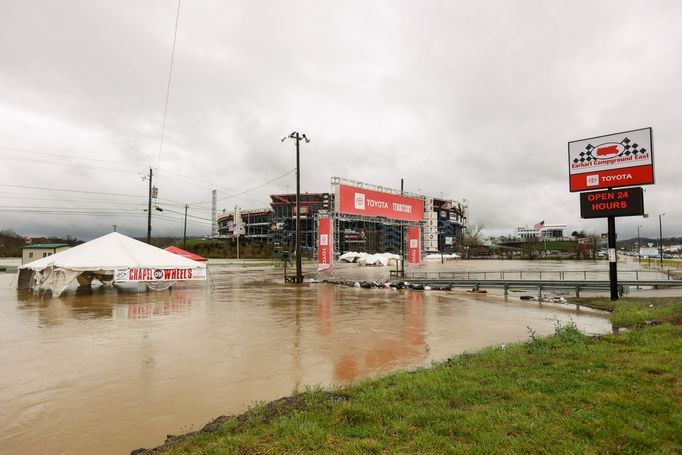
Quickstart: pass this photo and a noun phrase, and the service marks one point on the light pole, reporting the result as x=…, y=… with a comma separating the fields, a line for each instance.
x=639, y=246
x=660, y=236
x=184, y=230
x=297, y=137
x=149, y=209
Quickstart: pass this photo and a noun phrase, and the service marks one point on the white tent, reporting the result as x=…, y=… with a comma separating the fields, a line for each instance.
x=110, y=258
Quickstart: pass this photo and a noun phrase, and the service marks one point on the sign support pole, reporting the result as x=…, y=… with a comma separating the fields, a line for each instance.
x=613, y=265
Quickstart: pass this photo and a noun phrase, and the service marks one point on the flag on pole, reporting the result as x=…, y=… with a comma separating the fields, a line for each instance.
x=539, y=225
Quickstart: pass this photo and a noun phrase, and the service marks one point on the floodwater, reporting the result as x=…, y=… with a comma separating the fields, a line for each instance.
x=107, y=370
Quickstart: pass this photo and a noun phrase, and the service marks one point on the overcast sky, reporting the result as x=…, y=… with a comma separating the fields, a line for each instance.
x=468, y=100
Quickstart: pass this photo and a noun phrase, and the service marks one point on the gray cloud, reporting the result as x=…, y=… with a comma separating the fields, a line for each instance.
x=471, y=100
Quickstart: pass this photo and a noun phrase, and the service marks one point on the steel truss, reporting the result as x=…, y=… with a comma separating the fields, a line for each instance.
x=338, y=218
x=341, y=181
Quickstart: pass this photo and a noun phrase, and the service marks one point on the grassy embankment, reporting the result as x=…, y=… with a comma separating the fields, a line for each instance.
x=568, y=393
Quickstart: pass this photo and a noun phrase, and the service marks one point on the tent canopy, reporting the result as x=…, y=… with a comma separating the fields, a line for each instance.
x=186, y=254
x=112, y=257
x=112, y=252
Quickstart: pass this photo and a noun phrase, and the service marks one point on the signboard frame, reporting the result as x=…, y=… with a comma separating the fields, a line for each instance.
x=612, y=202
x=354, y=200
x=612, y=160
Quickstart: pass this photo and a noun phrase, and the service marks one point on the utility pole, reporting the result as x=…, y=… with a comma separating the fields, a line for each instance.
x=236, y=231
x=613, y=267
x=402, y=239
x=184, y=230
x=639, y=245
x=297, y=137
x=149, y=209
x=660, y=237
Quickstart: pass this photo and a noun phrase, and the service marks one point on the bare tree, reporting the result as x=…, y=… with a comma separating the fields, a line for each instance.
x=471, y=238
x=594, y=243
x=531, y=247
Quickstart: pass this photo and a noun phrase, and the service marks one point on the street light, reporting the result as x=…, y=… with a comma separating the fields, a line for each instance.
x=660, y=237
x=297, y=137
x=639, y=246
x=184, y=230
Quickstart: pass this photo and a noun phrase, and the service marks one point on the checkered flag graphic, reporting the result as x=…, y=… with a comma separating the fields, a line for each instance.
x=629, y=148
x=585, y=155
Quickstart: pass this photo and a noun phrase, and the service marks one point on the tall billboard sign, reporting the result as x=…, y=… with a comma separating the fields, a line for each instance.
x=614, y=160
x=325, y=244
x=361, y=201
x=612, y=165
x=414, y=252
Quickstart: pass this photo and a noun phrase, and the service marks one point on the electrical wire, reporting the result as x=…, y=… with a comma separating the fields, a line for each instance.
x=11, y=149
x=170, y=75
x=250, y=189
x=71, y=191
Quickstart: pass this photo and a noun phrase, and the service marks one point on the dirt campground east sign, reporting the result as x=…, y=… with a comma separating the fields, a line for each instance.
x=614, y=160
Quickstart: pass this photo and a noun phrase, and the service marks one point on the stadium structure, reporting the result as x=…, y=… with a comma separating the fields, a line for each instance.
x=276, y=224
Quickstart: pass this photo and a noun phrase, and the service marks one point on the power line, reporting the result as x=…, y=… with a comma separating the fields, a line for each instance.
x=189, y=216
x=250, y=189
x=70, y=191
x=100, y=200
x=170, y=75
x=133, y=169
x=10, y=149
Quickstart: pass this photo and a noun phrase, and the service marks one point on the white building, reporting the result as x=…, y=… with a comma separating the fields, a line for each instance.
x=547, y=231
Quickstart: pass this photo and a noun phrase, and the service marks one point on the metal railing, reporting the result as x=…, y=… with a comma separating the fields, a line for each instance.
x=549, y=275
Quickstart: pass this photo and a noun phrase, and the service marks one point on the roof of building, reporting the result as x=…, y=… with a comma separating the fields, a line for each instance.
x=45, y=245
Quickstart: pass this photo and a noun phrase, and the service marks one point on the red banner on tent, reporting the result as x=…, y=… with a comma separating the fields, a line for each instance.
x=361, y=201
x=324, y=244
x=414, y=251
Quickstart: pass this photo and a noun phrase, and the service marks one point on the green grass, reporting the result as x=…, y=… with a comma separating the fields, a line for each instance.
x=634, y=312
x=567, y=393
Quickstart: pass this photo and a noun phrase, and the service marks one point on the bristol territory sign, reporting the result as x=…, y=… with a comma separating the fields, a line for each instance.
x=362, y=201
x=615, y=160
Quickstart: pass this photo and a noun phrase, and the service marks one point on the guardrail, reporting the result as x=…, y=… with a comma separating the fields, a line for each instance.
x=549, y=275
x=577, y=280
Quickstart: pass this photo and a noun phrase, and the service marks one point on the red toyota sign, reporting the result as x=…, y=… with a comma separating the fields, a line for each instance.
x=324, y=244
x=361, y=201
x=414, y=250
x=615, y=160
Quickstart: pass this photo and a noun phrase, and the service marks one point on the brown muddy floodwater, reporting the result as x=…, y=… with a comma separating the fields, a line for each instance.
x=108, y=370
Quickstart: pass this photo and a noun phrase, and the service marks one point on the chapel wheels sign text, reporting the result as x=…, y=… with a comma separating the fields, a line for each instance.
x=614, y=160
x=149, y=274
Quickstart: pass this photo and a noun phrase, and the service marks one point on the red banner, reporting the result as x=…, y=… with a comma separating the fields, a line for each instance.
x=325, y=243
x=361, y=201
x=641, y=175
x=414, y=250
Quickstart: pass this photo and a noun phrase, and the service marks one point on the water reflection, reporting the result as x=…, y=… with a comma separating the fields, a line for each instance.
x=175, y=304
x=99, y=302
x=393, y=341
